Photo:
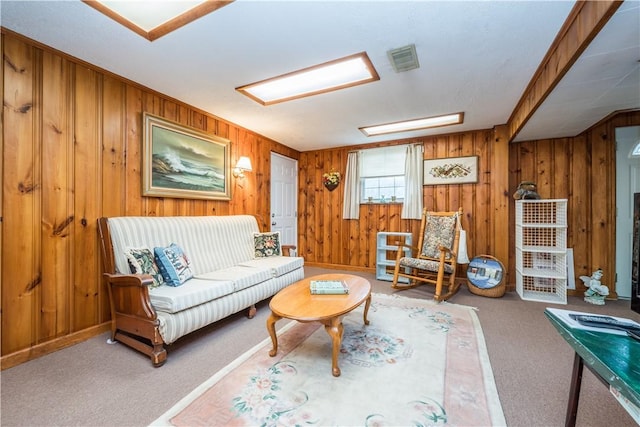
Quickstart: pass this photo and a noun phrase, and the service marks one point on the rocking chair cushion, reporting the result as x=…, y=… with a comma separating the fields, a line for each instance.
x=424, y=264
x=440, y=231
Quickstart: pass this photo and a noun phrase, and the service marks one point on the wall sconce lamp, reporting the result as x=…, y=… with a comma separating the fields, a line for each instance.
x=244, y=164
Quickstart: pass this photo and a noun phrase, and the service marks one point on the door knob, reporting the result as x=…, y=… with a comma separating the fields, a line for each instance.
x=273, y=223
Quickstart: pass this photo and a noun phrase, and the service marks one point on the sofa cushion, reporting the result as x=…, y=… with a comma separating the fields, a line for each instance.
x=241, y=277
x=142, y=261
x=192, y=293
x=173, y=264
x=267, y=244
x=278, y=265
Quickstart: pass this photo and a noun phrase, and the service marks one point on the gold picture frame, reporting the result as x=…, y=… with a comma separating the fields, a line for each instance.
x=182, y=162
x=451, y=170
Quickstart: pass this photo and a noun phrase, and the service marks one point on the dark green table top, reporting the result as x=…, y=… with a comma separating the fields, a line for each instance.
x=616, y=358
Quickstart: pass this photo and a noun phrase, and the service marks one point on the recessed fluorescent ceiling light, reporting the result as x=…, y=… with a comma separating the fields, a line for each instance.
x=341, y=73
x=417, y=124
x=153, y=19
x=147, y=15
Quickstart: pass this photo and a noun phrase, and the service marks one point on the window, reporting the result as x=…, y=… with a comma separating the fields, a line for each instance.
x=382, y=174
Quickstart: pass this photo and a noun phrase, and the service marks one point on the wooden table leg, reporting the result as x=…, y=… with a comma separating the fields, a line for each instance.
x=271, y=327
x=334, y=328
x=367, y=304
x=574, y=393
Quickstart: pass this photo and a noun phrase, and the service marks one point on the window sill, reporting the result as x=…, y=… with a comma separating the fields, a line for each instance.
x=380, y=203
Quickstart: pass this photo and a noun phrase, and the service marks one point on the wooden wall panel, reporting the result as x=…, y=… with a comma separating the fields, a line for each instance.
x=57, y=201
x=497, y=177
x=20, y=198
x=88, y=294
x=602, y=210
x=72, y=152
x=480, y=222
x=112, y=143
x=579, y=206
x=134, y=205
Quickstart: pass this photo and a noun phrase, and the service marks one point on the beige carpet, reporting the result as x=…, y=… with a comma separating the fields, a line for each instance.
x=430, y=360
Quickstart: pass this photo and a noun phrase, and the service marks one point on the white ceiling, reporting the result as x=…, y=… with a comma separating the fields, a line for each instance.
x=475, y=56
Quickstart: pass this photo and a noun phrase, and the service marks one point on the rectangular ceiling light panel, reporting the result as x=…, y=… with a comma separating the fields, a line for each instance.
x=417, y=124
x=147, y=15
x=341, y=73
x=153, y=19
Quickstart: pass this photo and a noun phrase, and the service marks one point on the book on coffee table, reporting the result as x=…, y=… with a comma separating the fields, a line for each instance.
x=328, y=287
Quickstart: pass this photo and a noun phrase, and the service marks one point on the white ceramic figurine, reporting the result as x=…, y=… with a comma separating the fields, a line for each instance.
x=596, y=291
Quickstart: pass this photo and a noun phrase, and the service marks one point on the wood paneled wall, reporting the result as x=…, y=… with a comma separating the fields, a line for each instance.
x=71, y=146
x=326, y=238
x=71, y=150
x=582, y=170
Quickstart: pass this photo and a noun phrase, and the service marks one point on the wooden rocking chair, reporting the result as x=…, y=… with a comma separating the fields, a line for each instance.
x=435, y=257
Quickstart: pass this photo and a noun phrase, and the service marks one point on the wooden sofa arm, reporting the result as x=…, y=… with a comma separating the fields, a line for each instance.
x=129, y=294
x=133, y=317
x=286, y=249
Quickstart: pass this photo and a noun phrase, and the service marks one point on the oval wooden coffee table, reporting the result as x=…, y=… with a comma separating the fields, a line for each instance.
x=296, y=302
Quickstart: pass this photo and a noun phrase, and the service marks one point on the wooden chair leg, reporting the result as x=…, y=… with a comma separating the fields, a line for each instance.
x=396, y=270
x=439, y=280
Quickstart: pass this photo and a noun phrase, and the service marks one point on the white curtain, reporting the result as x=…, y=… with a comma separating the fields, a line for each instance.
x=412, y=206
x=351, y=202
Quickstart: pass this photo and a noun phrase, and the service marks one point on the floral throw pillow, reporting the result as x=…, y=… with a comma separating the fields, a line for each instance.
x=174, y=265
x=267, y=244
x=142, y=261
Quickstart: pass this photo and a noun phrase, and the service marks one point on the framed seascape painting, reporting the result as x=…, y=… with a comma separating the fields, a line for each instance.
x=452, y=170
x=183, y=162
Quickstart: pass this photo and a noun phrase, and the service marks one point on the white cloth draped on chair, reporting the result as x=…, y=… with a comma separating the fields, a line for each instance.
x=463, y=257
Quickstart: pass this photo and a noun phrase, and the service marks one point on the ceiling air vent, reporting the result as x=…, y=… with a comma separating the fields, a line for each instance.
x=404, y=58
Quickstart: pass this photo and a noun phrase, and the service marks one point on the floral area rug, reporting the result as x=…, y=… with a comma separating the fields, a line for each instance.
x=418, y=363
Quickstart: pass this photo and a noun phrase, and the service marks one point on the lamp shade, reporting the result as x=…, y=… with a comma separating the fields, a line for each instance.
x=244, y=163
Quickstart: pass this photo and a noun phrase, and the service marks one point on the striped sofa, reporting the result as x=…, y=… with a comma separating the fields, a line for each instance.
x=227, y=277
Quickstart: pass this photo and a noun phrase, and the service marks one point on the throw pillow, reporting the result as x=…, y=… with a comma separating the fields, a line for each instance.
x=142, y=261
x=267, y=244
x=174, y=265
